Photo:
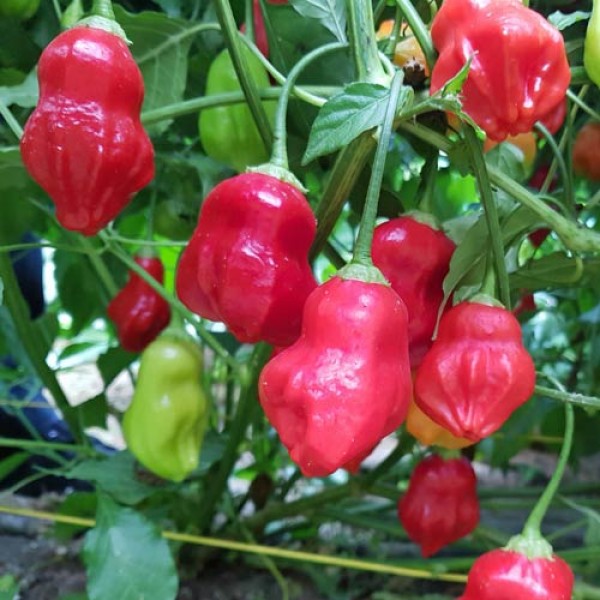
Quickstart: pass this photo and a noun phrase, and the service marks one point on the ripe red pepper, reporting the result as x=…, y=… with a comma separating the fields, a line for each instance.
x=260, y=33
x=502, y=574
x=477, y=371
x=586, y=152
x=414, y=257
x=247, y=262
x=441, y=504
x=519, y=73
x=138, y=311
x=84, y=143
x=345, y=384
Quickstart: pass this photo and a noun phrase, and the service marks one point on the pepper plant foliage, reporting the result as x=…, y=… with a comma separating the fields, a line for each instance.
x=265, y=455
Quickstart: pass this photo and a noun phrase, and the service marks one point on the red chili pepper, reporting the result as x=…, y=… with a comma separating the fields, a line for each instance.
x=247, y=262
x=138, y=311
x=477, y=371
x=345, y=384
x=415, y=257
x=84, y=143
x=586, y=152
x=260, y=32
x=519, y=73
x=440, y=505
x=505, y=574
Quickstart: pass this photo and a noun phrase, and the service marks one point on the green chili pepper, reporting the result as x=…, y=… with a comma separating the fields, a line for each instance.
x=164, y=426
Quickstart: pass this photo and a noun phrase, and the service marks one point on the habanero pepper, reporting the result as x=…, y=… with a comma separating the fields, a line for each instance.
x=345, y=384
x=414, y=256
x=477, y=372
x=84, y=143
x=586, y=152
x=228, y=133
x=519, y=73
x=440, y=505
x=165, y=423
x=138, y=311
x=501, y=574
x=247, y=261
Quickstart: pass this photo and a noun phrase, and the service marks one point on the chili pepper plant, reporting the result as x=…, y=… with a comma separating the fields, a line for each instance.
x=342, y=256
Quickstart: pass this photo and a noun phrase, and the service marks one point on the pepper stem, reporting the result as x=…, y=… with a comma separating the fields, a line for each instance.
x=103, y=8
x=362, y=248
x=533, y=524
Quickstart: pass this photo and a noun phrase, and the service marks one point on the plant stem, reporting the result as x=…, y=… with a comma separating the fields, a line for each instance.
x=491, y=213
x=362, y=248
x=419, y=30
x=42, y=446
x=33, y=343
x=216, y=483
x=12, y=123
x=279, y=155
x=103, y=8
x=229, y=28
x=361, y=28
x=570, y=397
x=534, y=522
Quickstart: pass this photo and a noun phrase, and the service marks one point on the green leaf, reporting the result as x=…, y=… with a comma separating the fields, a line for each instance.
x=554, y=270
x=508, y=159
x=160, y=46
x=562, y=21
x=126, y=552
x=455, y=85
x=115, y=475
x=94, y=411
x=359, y=108
x=1, y=291
x=12, y=462
x=77, y=504
x=331, y=14
x=113, y=362
x=8, y=587
x=25, y=94
x=592, y=534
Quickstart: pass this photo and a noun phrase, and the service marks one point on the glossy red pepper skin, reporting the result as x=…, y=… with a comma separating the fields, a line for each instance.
x=519, y=73
x=477, y=371
x=84, y=143
x=345, y=384
x=414, y=257
x=139, y=312
x=508, y=575
x=247, y=262
x=260, y=32
x=441, y=504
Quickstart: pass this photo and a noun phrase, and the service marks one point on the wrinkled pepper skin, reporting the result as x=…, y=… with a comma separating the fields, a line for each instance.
x=477, y=371
x=414, y=257
x=139, y=312
x=429, y=433
x=508, y=575
x=345, y=384
x=247, y=261
x=229, y=133
x=586, y=152
x=164, y=425
x=84, y=144
x=519, y=73
x=441, y=504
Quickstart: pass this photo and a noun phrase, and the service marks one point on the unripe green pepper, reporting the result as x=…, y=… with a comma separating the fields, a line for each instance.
x=591, y=48
x=164, y=425
x=19, y=9
x=228, y=133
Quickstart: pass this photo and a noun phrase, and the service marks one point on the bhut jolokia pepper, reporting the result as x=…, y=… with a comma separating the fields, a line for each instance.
x=228, y=133
x=138, y=311
x=429, y=433
x=84, y=143
x=164, y=425
x=414, y=257
x=502, y=574
x=519, y=72
x=247, y=262
x=441, y=504
x=477, y=372
x=345, y=384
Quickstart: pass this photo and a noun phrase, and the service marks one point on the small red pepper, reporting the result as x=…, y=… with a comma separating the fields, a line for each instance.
x=345, y=384
x=260, y=32
x=247, y=262
x=441, y=504
x=508, y=575
x=414, y=257
x=477, y=371
x=586, y=152
x=519, y=72
x=84, y=143
x=138, y=311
